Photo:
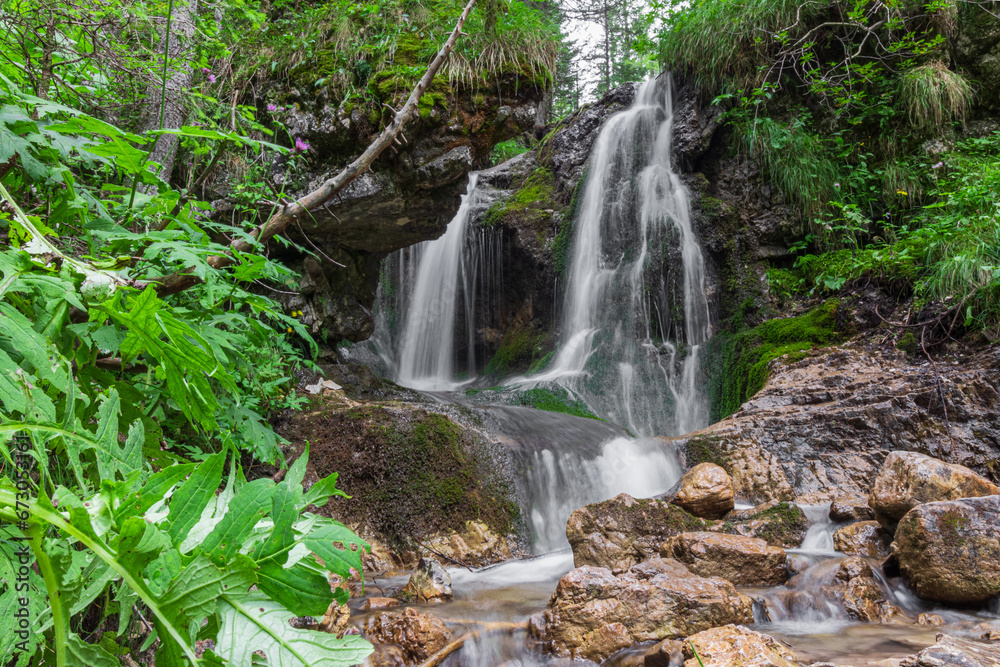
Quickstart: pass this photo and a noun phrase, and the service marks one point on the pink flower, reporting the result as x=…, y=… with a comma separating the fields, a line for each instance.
x=271, y=108
x=836, y=185
x=938, y=165
x=205, y=70
x=301, y=145
x=211, y=78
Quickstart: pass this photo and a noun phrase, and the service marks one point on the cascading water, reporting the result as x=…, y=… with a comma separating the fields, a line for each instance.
x=426, y=358
x=431, y=298
x=621, y=311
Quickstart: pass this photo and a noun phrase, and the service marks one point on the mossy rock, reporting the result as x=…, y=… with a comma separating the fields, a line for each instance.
x=409, y=472
x=737, y=364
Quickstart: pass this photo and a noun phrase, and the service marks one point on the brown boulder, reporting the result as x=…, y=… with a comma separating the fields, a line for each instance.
x=864, y=538
x=475, y=545
x=950, y=551
x=860, y=594
x=429, y=581
x=851, y=508
x=418, y=635
x=386, y=655
x=743, y=561
x=954, y=652
x=375, y=603
x=667, y=653
x=909, y=479
x=706, y=491
x=594, y=613
x=736, y=646
x=623, y=531
x=777, y=523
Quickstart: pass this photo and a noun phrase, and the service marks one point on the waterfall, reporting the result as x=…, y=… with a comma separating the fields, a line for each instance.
x=622, y=350
x=431, y=296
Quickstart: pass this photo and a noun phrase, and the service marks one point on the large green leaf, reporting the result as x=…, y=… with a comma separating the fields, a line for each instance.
x=255, y=623
x=190, y=500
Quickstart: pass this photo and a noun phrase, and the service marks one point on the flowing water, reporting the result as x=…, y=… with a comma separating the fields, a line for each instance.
x=634, y=318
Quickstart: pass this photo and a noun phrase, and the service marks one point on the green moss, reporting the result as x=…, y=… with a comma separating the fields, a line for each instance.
x=555, y=400
x=737, y=364
x=907, y=343
x=785, y=523
x=519, y=348
x=707, y=449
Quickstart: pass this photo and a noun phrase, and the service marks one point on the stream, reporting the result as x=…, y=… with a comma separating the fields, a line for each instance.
x=634, y=315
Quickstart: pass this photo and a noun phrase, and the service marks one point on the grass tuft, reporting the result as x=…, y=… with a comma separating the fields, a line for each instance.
x=932, y=95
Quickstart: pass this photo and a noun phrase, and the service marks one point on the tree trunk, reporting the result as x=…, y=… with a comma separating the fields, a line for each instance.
x=168, y=102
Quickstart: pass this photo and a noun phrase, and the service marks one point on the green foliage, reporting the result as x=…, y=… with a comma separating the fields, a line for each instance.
x=932, y=95
x=554, y=400
x=795, y=160
x=121, y=385
x=506, y=150
x=739, y=362
x=379, y=49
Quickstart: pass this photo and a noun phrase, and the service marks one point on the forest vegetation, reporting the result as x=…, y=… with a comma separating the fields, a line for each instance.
x=140, y=373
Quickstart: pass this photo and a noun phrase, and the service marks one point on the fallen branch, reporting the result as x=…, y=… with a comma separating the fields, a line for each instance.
x=280, y=220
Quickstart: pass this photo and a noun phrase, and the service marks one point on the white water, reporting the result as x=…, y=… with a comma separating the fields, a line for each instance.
x=557, y=482
x=619, y=317
x=426, y=355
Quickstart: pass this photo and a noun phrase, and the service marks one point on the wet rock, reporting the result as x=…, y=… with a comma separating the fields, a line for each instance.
x=379, y=603
x=429, y=581
x=667, y=653
x=929, y=619
x=593, y=611
x=475, y=546
x=821, y=426
x=864, y=538
x=779, y=524
x=950, y=551
x=736, y=646
x=743, y=561
x=623, y=531
x=851, y=508
x=908, y=479
x=860, y=594
x=386, y=655
x=955, y=652
x=418, y=635
x=705, y=491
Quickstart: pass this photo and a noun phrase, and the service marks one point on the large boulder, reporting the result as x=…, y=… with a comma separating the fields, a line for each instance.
x=475, y=545
x=860, y=594
x=955, y=652
x=825, y=421
x=623, y=531
x=736, y=646
x=706, y=491
x=779, y=524
x=910, y=478
x=744, y=561
x=418, y=635
x=620, y=532
x=594, y=613
x=950, y=551
x=851, y=508
x=864, y=538
x=429, y=581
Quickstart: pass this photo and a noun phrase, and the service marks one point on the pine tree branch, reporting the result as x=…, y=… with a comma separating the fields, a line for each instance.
x=289, y=213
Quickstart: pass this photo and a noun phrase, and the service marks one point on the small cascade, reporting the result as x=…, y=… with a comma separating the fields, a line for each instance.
x=426, y=356
x=819, y=537
x=431, y=298
x=622, y=308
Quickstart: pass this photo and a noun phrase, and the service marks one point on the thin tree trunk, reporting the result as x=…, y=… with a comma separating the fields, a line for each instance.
x=319, y=197
x=177, y=44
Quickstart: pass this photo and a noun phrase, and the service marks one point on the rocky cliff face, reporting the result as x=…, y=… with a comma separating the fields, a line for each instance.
x=823, y=426
x=410, y=194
